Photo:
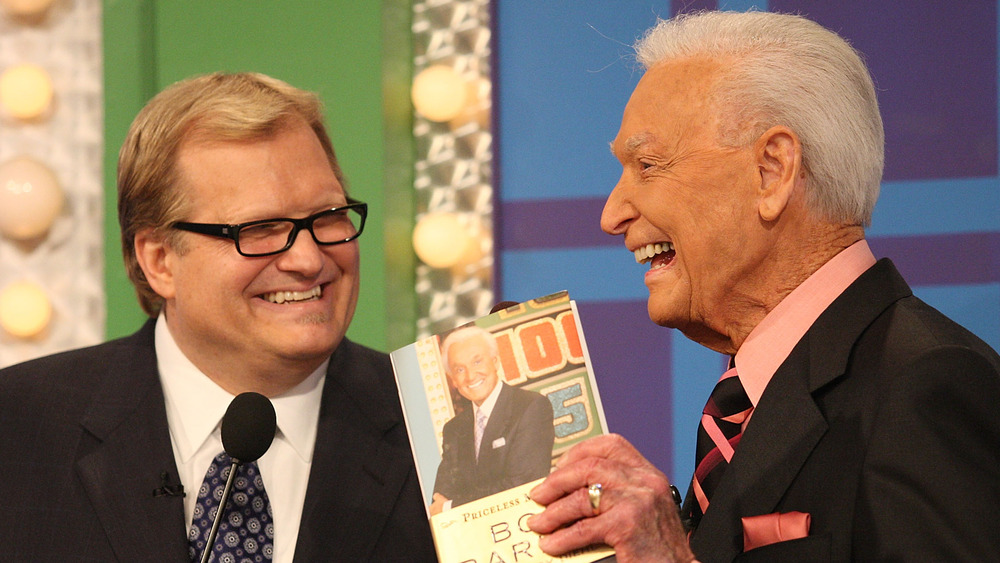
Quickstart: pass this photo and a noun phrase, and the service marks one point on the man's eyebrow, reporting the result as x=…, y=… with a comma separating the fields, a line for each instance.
x=632, y=144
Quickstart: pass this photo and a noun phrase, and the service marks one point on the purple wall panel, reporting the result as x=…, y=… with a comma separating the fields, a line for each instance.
x=553, y=223
x=632, y=377
x=951, y=259
x=934, y=65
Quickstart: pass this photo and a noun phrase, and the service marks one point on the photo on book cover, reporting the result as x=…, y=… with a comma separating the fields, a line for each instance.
x=492, y=404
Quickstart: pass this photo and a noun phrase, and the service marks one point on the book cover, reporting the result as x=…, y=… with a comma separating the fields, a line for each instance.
x=489, y=407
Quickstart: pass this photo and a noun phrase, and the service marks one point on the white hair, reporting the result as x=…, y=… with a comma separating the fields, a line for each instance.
x=468, y=333
x=784, y=69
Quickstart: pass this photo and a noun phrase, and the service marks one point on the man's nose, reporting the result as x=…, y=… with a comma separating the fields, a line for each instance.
x=304, y=256
x=618, y=211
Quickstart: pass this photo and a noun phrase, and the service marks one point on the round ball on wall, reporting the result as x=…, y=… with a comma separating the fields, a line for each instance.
x=26, y=8
x=440, y=240
x=25, y=91
x=476, y=108
x=25, y=310
x=439, y=93
x=30, y=198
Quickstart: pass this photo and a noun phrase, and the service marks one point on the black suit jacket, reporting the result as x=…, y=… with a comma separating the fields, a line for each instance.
x=516, y=447
x=84, y=441
x=884, y=425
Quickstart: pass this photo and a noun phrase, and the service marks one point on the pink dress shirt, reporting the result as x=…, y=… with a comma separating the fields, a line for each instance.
x=772, y=340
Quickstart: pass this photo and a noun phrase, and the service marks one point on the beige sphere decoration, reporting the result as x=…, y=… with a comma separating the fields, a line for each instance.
x=439, y=93
x=25, y=91
x=440, y=240
x=25, y=310
x=26, y=8
x=30, y=198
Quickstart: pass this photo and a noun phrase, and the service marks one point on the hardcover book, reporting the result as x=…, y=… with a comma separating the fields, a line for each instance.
x=489, y=407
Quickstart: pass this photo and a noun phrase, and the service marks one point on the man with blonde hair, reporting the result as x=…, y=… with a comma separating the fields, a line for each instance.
x=241, y=240
x=857, y=422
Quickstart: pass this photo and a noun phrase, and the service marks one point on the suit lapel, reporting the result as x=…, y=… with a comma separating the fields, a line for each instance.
x=787, y=424
x=127, y=435
x=356, y=474
x=466, y=421
x=779, y=438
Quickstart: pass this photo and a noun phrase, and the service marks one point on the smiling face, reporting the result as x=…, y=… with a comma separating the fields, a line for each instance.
x=685, y=203
x=269, y=320
x=472, y=368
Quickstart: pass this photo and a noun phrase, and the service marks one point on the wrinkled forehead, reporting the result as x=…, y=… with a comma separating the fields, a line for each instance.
x=472, y=346
x=673, y=100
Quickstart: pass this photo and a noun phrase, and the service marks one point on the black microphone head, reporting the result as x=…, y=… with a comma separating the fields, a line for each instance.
x=248, y=427
x=503, y=305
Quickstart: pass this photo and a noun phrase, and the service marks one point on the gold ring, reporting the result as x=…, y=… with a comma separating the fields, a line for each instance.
x=594, y=493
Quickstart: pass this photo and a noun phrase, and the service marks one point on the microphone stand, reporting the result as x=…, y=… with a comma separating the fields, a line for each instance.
x=210, y=543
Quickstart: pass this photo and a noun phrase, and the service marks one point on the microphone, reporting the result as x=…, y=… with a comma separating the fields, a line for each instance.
x=248, y=427
x=247, y=432
x=167, y=489
x=503, y=305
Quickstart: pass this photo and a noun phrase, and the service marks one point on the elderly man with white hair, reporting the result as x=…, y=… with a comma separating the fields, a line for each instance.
x=857, y=422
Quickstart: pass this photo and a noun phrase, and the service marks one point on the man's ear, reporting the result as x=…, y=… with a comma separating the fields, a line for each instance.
x=157, y=261
x=779, y=160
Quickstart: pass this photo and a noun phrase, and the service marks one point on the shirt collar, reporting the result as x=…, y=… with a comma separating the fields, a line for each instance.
x=769, y=343
x=297, y=411
x=491, y=401
x=195, y=404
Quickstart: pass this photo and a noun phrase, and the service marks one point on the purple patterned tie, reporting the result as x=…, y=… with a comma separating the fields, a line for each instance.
x=246, y=533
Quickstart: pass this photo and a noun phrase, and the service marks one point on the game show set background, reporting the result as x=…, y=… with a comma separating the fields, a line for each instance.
x=521, y=176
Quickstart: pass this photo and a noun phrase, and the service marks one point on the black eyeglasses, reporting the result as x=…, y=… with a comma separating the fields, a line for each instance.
x=273, y=236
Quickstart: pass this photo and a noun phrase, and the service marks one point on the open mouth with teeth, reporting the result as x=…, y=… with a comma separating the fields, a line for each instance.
x=657, y=255
x=280, y=297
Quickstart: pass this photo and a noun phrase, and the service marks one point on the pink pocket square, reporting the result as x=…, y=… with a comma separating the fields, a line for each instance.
x=766, y=529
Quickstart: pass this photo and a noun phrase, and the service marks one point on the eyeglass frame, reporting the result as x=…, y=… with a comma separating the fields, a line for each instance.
x=232, y=231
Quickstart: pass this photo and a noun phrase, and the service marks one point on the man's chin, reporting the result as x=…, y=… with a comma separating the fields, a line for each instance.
x=663, y=315
x=308, y=345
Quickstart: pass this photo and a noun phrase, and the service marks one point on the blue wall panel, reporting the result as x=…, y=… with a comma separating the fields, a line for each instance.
x=564, y=78
x=564, y=74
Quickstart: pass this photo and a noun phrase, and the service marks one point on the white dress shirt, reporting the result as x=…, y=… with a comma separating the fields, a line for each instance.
x=195, y=406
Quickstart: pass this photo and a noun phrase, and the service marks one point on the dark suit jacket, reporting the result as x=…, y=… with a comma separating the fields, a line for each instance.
x=884, y=425
x=84, y=440
x=516, y=447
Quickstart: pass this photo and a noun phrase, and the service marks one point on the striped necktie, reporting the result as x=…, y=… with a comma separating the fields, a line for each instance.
x=718, y=435
x=480, y=429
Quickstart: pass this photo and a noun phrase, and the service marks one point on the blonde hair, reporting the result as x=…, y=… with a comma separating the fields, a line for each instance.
x=212, y=107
